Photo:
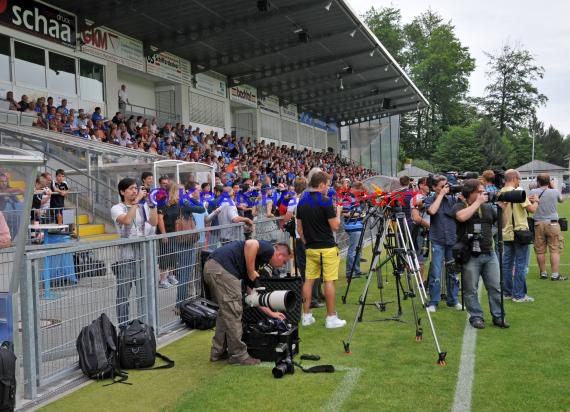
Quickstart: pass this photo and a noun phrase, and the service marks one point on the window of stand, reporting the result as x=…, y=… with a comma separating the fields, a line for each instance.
x=30, y=65
x=5, y=58
x=61, y=73
x=91, y=80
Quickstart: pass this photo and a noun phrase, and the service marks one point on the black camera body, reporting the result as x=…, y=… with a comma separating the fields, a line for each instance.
x=284, y=364
x=454, y=189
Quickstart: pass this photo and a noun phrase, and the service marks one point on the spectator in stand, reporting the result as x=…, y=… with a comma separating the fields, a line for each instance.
x=10, y=98
x=123, y=98
x=41, y=101
x=50, y=103
x=5, y=238
x=97, y=116
x=63, y=109
x=59, y=190
x=24, y=104
x=118, y=118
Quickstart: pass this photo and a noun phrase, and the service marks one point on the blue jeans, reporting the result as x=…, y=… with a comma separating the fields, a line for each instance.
x=515, y=256
x=486, y=267
x=351, y=257
x=439, y=254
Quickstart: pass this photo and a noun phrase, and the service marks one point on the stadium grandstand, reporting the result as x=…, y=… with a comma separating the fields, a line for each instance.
x=258, y=93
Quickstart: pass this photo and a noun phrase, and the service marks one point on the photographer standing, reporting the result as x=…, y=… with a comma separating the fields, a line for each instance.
x=475, y=219
x=516, y=255
x=546, y=227
x=223, y=272
x=129, y=220
x=442, y=236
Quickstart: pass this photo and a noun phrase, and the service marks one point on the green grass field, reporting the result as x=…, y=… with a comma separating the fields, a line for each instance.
x=524, y=368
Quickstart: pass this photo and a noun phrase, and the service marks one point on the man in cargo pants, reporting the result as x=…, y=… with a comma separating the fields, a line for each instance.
x=223, y=272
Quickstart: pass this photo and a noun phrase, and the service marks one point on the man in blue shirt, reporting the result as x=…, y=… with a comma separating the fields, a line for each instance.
x=442, y=236
x=226, y=267
x=352, y=218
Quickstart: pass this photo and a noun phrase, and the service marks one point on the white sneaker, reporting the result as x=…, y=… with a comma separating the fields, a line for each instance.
x=164, y=284
x=524, y=299
x=431, y=308
x=457, y=306
x=333, y=322
x=308, y=319
x=172, y=280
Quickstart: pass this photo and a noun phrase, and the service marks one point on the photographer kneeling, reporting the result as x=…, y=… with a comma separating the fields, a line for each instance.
x=223, y=272
x=475, y=219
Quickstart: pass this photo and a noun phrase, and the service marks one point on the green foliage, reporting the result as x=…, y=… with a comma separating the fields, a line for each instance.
x=512, y=97
x=438, y=64
x=387, y=26
x=459, y=149
x=521, y=152
x=495, y=148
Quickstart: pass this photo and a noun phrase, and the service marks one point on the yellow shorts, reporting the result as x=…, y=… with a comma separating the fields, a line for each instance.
x=325, y=260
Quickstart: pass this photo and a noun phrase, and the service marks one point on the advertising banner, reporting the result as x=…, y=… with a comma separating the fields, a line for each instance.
x=244, y=94
x=170, y=67
x=112, y=46
x=40, y=20
x=269, y=104
x=211, y=85
x=289, y=112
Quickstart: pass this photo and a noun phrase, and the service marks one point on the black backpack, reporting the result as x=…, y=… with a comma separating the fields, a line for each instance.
x=199, y=314
x=97, y=348
x=7, y=377
x=137, y=347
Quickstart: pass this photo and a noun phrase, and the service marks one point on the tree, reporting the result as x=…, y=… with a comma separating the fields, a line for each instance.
x=386, y=25
x=553, y=148
x=521, y=152
x=494, y=147
x=459, y=149
x=512, y=98
x=440, y=66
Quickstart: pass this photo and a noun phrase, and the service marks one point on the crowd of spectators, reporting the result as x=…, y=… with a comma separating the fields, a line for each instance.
x=241, y=158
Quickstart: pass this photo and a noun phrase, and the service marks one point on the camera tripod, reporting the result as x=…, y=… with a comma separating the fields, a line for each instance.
x=372, y=219
x=402, y=255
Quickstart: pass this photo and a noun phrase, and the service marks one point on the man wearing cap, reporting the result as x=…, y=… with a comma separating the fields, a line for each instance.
x=84, y=132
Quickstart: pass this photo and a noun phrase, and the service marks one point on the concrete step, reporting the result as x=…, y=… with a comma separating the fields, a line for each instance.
x=89, y=230
x=99, y=238
x=83, y=219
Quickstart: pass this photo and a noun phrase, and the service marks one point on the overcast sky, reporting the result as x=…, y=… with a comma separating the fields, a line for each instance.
x=484, y=26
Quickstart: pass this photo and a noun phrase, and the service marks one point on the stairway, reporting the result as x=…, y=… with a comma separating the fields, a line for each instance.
x=92, y=232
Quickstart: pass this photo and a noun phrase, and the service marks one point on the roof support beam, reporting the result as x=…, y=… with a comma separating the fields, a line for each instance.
x=347, y=89
x=299, y=66
x=261, y=50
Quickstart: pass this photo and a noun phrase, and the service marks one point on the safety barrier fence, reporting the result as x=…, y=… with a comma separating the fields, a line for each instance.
x=65, y=288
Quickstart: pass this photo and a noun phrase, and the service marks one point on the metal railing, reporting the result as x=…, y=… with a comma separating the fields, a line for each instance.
x=66, y=288
x=160, y=115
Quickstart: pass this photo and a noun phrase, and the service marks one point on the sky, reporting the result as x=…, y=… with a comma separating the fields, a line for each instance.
x=540, y=27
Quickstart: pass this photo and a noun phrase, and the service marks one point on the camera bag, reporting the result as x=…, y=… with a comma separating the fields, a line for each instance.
x=262, y=344
x=522, y=236
x=137, y=347
x=199, y=314
x=7, y=377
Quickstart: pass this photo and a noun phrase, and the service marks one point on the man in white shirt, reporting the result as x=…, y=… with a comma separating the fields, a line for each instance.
x=129, y=220
x=123, y=98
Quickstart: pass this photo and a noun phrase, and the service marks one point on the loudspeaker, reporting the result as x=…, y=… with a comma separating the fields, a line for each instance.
x=386, y=103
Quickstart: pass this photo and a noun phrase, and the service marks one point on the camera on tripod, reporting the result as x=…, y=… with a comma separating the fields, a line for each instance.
x=284, y=364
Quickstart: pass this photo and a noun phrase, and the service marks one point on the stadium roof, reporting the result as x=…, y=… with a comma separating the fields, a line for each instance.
x=314, y=53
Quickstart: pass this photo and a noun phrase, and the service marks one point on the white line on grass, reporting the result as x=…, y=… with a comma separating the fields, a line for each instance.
x=462, y=400
x=344, y=389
